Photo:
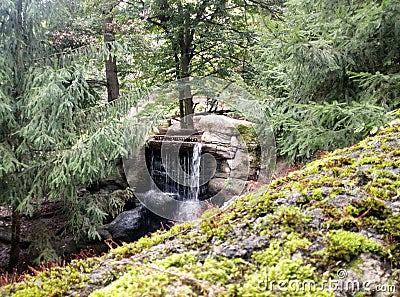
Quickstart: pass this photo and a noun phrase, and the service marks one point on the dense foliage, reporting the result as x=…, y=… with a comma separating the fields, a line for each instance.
x=327, y=71
x=56, y=134
x=331, y=69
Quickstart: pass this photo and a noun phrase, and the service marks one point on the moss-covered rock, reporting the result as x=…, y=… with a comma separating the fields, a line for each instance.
x=321, y=231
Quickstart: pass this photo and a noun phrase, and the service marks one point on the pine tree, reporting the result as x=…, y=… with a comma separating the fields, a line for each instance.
x=55, y=134
x=331, y=71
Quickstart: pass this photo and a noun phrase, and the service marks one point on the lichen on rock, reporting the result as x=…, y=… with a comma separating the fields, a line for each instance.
x=313, y=232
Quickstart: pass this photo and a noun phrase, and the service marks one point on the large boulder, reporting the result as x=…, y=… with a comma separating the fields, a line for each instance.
x=132, y=224
x=330, y=229
x=127, y=225
x=235, y=147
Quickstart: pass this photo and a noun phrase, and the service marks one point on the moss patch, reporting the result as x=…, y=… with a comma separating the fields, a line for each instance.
x=56, y=281
x=346, y=246
x=248, y=133
x=300, y=228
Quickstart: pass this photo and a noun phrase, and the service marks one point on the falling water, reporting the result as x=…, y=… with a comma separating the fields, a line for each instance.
x=178, y=178
x=195, y=173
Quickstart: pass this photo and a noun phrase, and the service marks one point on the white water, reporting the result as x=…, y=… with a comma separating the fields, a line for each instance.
x=184, y=192
x=195, y=173
x=190, y=208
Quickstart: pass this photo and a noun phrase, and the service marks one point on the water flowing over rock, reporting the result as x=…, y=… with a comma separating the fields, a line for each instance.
x=211, y=163
x=195, y=173
x=176, y=177
x=315, y=232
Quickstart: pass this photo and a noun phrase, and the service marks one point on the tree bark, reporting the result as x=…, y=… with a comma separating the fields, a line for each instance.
x=182, y=109
x=185, y=97
x=187, y=92
x=188, y=108
x=15, y=239
x=111, y=61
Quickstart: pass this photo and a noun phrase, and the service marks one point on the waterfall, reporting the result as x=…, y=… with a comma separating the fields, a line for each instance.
x=152, y=169
x=177, y=178
x=195, y=173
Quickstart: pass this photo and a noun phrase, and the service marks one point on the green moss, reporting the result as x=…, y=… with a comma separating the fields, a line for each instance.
x=326, y=181
x=248, y=133
x=317, y=194
x=386, y=148
x=391, y=225
x=347, y=223
x=192, y=269
x=56, y=281
x=177, y=275
x=278, y=248
x=149, y=241
x=219, y=270
x=395, y=152
x=147, y=282
x=378, y=192
x=344, y=245
x=261, y=205
x=212, y=228
x=290, y=218
x=180, y=260
x=278, y=266
x=367, y=207
x=336, y=191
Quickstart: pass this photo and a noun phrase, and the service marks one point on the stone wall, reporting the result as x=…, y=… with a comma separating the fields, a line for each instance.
x=234, y=146
x=230, y=156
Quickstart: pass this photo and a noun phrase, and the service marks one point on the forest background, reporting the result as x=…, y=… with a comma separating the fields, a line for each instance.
x=327, y=73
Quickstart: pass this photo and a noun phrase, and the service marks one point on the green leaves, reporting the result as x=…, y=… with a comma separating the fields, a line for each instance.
x=47, y=107
x=332, y=69
x=56, y=132
x=316, y=127
x=379, y=88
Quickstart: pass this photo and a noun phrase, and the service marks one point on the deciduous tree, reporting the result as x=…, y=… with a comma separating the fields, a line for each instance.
x=200, y=38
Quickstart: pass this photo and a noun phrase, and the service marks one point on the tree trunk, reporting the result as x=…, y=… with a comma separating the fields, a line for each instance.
x=181, y=92
x=182, y=109
x=188, y=102
x=187, y=93
x=111, y=62
x=15, y=239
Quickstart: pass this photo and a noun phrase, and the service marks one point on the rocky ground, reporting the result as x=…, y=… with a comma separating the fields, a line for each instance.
x=330, y=229
x=47, y=232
